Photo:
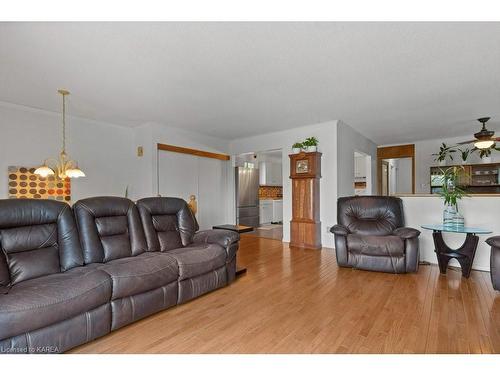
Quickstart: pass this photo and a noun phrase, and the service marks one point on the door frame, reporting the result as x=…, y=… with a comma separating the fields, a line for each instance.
x=395, y=152
x=386, y=177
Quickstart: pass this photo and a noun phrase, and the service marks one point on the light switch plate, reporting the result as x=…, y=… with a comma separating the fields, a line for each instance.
x=140, y=151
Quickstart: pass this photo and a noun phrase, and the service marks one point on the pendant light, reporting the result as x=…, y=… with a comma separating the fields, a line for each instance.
x=63, y=167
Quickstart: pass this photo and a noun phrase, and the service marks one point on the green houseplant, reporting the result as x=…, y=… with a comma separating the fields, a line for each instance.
x=311, y=144
x=445, y=152
x=464, y=154
x=297, y=147
x=451, y=193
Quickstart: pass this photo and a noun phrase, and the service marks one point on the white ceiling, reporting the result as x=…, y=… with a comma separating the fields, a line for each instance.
x=393, y=82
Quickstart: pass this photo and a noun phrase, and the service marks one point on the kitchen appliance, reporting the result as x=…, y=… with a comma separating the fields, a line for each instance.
x=247, y=196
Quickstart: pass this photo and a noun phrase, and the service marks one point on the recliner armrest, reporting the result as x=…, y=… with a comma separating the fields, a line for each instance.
x=494, y=241
x=340, y=230
x=222, y=237
x=406, y=233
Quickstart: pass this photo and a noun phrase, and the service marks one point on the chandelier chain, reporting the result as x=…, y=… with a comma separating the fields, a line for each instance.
x=64, y=123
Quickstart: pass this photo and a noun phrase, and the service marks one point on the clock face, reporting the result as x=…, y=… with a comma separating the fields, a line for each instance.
x=302, y=166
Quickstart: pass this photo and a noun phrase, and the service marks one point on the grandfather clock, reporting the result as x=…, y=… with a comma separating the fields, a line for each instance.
x=305, y=226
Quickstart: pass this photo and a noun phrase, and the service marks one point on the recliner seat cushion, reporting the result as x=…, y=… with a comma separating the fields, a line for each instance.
x=198, y=259
x=392, y=246
x=46, y=300
x=140, y=274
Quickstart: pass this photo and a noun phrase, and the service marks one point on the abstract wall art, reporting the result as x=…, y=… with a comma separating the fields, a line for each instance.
x=24, y=183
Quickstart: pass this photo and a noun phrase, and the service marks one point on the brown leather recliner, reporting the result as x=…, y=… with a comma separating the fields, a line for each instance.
x=371, y=235
x=494, y=242
x=71, y=275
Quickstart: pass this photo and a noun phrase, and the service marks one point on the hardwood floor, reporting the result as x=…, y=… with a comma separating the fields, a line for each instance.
x=275, y=233
x=299, y=301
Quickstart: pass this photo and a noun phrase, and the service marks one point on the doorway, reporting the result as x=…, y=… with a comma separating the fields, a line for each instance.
x=362, y=173
x=263, y=197
x=396, y=166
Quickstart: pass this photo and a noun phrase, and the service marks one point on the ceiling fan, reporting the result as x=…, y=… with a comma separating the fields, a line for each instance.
x=484, y=138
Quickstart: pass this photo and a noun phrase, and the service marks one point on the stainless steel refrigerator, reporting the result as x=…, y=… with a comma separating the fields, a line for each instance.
x=247, y=196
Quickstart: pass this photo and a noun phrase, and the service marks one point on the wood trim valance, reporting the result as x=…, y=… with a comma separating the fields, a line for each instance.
x=192, y=151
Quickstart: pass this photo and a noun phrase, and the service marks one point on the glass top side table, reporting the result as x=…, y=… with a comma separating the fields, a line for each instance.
x=464, y=254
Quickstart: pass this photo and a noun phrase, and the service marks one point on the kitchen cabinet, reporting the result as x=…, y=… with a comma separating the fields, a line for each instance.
x=271, y=211
x=270, y=174
x=266, y=211
x=277, y=210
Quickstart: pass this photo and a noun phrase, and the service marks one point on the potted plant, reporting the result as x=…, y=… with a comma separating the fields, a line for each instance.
x=451, y=193
x=464, y=154
x=297, y=147
x=444, y=152
x=310, y=144
x=485, y=153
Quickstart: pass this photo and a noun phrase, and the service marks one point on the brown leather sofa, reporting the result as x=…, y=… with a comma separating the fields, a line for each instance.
x=69, y=276
x=494, y=242
x=371, y=235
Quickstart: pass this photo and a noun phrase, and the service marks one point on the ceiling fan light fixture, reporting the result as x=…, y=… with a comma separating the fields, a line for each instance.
x=484, y=144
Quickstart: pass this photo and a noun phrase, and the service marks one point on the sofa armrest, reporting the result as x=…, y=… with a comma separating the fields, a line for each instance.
x=340, y=230
x=406, y=233
x=494, y=241
x=226, y=238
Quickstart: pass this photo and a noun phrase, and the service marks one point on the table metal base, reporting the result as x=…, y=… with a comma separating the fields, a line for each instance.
x=464, y=255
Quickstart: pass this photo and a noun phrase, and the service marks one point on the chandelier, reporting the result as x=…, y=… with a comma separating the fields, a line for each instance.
x=63, y=167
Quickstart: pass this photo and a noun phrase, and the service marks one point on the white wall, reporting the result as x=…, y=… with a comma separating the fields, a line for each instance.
x=326, y=133
x=349, y=141
x=478, y=212
x=105, y=152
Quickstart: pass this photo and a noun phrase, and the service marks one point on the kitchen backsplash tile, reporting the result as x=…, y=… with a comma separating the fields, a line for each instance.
x=270, y=192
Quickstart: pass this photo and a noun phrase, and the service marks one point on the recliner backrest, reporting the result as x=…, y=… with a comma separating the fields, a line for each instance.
x=168, y=223
x=109, y=228
x=37, y=237
x=370, y=215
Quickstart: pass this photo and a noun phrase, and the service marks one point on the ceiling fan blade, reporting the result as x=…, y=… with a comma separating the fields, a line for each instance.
x=466, y=142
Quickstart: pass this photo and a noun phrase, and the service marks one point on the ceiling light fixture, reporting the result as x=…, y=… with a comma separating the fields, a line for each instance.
x=63, y=167
x=484, y=138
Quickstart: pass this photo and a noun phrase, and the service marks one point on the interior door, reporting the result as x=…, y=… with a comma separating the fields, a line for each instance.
x=211, y=192
x=182, y=175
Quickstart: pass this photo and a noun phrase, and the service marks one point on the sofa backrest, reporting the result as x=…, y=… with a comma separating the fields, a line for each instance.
x=109, y=228
x=168, y=223
x=370, y=215
x=37, y=237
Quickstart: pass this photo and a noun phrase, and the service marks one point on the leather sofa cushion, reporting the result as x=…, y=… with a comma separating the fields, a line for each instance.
x=37, y=238
x=140, y=274
x=43, y=301
x=375, y=245
x=110, y=228
x=168, y=223
x=198, y=259
x=370, y=215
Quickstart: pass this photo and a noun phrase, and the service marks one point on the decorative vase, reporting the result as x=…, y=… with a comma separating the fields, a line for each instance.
x=486, y=159
x=458, y=220
x=442, y=163
x=452, y=217
x=296, y=150
x=449, y=214
x=311, y=148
